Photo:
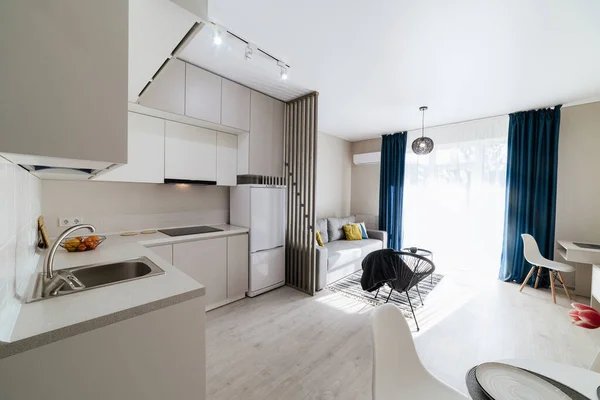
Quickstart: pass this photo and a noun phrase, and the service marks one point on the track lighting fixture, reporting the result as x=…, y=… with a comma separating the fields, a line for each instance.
x=283, y=73
x=248, y=52
x=217, y=35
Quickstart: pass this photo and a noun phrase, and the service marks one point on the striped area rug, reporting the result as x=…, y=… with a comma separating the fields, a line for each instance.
x=350, y=287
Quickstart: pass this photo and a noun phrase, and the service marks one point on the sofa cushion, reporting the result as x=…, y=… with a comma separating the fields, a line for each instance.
x=353, y=232
x=342, y=252
x=335, y=227
x=322, y=229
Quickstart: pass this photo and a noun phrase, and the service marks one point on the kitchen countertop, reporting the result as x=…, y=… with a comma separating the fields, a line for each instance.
x=50, y=320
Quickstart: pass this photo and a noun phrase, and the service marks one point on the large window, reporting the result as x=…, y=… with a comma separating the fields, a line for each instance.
x=454, y=197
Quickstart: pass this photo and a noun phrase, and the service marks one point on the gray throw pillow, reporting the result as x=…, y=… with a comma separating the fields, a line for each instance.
x=335, y=226
x=322, y=228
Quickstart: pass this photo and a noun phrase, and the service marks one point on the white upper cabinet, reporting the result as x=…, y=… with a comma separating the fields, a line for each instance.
x=202, y=94
x=235, y=105
x=145, y=152
x=226, y=159
x=167, y=91
x=264, y=143
x=64, y=79
x=190, y=152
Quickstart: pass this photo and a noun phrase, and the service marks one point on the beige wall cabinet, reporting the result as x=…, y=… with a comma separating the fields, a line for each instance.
x=202, y=94
x=190, y=152
x=64, y=81
x=167, y=91
x=220, y=264
x=235, y=105
x=145, y=152
x=261, y=151
x=226, y=159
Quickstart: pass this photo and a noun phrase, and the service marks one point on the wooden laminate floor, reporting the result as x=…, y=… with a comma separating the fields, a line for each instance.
x=286, y=345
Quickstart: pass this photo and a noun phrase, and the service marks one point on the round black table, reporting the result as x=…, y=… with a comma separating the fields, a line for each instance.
x=477, y=393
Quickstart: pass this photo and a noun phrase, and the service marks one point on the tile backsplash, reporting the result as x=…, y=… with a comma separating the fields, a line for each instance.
x=20, y=205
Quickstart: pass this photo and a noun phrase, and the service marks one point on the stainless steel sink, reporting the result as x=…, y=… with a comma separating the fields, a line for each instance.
x=99, y=275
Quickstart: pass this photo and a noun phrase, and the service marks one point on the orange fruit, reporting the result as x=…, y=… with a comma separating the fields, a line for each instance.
x=82, y=247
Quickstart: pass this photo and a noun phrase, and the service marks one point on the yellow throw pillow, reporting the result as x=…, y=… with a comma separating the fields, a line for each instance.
x=353, y=232
x=319, y=239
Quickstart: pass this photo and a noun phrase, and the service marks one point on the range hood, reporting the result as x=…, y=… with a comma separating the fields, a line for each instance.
x=190, y=182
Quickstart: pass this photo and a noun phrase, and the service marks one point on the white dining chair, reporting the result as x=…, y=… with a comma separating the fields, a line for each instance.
x=595, y=367
x=532, y=254
x=397, y=371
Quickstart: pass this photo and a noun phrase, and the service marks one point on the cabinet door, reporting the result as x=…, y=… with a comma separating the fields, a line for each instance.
x=145, y=152
x=277, y=117
x=226, y=159
x=259, y=159
x=165, y=252
x=206, y=262
x=190, y=152
x=202, y=94
x=235, y=105
x=167, y=91
x=237, y=266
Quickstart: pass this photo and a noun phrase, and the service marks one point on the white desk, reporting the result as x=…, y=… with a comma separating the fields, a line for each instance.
x=573, y=253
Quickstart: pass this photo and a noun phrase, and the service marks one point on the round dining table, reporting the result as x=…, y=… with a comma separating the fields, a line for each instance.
x=581, y=380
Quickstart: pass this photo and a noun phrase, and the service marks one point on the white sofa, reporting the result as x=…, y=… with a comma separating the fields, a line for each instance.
x=340, y=257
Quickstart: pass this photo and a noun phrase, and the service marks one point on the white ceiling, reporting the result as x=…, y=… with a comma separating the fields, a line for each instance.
x=374, y=63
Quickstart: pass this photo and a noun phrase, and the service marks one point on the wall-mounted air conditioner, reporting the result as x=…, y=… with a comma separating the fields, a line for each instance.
x=367, y=158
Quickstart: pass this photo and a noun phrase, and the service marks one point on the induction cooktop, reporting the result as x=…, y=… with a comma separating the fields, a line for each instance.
x=190, y=230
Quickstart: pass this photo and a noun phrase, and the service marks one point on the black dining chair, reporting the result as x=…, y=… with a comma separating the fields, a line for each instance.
x=410, y=270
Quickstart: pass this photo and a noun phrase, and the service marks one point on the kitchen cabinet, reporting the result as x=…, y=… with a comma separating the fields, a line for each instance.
x=235, y=105
x=145, y=152
x=206, y=262
x=226, y=159
x=260, y=152
x=202, y=94
x=220, y=264
x=64, y=85
x=165, y=252
x=190, y=152
x=237, y=266
x=167, y=91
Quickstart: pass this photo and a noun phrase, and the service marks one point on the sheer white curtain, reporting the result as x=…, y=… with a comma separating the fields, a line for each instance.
x=454, y=197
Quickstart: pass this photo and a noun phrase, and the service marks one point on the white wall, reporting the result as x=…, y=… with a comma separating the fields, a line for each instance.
x=117, y=207
x=365, y=184
x=334, y=166
x=578, y=187
x=20, y=205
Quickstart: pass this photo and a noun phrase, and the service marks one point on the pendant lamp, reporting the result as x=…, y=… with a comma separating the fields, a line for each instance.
x=422, y=145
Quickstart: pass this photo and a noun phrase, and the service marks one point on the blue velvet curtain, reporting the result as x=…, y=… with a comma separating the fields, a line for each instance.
x=391, y=187
x=530, y=189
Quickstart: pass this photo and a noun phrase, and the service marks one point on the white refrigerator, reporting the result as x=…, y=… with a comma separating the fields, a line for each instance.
x=261, y=209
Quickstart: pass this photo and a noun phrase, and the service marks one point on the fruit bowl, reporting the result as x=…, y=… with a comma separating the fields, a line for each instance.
x=82, y=243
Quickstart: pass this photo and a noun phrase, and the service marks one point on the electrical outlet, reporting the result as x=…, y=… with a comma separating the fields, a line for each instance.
x=69, y=221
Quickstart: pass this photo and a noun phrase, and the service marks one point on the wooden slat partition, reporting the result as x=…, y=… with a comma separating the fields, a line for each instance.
x=301, y=127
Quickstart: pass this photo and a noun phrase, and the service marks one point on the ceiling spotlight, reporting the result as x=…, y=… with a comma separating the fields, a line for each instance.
x=249, y=51
x=217, y=35
x=283, y=73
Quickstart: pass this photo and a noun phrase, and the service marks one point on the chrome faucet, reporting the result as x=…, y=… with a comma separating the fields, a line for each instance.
x=52, y=282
